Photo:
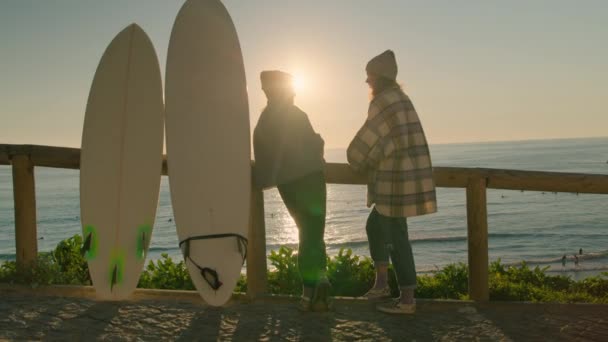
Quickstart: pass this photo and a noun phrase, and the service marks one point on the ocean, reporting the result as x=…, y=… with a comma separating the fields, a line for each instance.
x=535, y=227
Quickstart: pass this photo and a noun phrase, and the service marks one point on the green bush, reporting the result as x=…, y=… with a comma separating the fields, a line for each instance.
x=73, y=268
x=451, y=282
x=43, y=271
x=350, y=275
x=285, y=278
x=521, y=283
x=64, y=265
x=595, y=286
x=165, y=274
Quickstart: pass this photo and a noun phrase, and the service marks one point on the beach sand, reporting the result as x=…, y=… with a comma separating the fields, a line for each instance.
x=39, y=314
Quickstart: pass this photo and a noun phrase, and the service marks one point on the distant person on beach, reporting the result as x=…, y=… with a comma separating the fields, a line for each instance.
x=289, y=155
x=575, y=260
x=392, y=150
x=580, y=251
x=564, y=261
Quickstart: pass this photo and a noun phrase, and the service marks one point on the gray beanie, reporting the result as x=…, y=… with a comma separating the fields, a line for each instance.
x=383, y=65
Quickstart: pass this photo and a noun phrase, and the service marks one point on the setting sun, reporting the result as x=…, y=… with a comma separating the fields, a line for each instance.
x=313, y=170
x=298, y=82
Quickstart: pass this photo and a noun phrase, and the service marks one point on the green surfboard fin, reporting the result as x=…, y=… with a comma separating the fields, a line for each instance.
x=89, y=247
x=117, y=267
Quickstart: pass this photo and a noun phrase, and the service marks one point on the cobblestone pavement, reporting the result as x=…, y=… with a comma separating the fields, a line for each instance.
x=50, y=317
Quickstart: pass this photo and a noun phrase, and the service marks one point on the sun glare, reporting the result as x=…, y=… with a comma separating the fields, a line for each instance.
x=298, y=83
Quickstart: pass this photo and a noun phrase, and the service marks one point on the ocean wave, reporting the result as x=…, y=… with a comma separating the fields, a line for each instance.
x=453, y=238
x=569, y=258
x=160, y=250
x=544, y=235
x=7, y=256
x=595, y=269
x=592, y=268
x=362, y=243
x=49, y=220
x=425, y=239
x=276, y=246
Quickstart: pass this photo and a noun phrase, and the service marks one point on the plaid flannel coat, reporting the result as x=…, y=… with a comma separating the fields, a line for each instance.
x=392, y=149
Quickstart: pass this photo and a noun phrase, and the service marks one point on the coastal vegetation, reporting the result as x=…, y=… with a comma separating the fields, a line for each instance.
x=350, y=275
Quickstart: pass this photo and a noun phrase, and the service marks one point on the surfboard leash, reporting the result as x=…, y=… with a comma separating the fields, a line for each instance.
x=210, y=275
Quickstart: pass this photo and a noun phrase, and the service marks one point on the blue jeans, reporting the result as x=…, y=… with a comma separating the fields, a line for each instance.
x=305, y=199
x=388, y=238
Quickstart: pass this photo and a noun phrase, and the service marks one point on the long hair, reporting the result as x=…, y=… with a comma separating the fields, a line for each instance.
x=383, y=83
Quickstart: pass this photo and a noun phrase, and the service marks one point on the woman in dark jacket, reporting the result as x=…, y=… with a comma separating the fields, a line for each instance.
x=289, y=155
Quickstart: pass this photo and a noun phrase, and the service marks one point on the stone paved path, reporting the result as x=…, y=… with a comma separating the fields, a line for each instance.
x=50, y=317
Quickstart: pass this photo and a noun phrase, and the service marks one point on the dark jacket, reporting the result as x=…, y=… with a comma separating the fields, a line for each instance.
x=285, y=146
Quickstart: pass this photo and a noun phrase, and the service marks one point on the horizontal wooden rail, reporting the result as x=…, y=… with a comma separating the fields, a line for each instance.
x=24, y=158
x=337, y=173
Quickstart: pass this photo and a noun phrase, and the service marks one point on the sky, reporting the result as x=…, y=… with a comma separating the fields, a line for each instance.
x=475, y=70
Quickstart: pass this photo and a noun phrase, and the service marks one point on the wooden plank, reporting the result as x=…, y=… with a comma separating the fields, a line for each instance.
x=342, y=174
x=4, y=157
x=547, y=181
x=458, y=177
x=452, y=177
x=257, y=282
x=49, y=156
x=339, y=173
x=24, y=195
x=447, y=177
x=59, y=157
x=477, y=228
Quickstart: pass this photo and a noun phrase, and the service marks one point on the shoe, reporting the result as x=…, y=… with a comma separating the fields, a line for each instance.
x=321, y=300
x=378, y=294
x=397, y=308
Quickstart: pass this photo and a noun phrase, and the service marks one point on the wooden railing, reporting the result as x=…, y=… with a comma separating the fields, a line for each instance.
x=24, y=158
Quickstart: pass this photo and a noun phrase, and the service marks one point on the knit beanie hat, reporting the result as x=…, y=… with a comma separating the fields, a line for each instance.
x=383, y=65
x=273, y=79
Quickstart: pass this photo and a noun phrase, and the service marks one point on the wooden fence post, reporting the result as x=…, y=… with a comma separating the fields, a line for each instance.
x=257, y=282
x=477, y=218
x=24, y=195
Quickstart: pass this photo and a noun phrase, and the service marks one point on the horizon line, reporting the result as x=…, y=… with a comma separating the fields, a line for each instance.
x=431, y=144
x=498, y=141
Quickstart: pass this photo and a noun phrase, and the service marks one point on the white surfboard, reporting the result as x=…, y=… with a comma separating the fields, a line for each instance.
x=208, y=146
x=121, y=161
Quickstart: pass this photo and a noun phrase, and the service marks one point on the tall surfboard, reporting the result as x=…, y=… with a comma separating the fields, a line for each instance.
x=208, y=146
x=121, y=161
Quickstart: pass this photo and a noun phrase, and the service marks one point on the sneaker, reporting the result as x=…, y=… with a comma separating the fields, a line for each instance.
x=321, y=300
x=378, y=294
x=397, y=308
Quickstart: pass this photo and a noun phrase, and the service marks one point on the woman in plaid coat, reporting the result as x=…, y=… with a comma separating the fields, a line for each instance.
x=392, y=150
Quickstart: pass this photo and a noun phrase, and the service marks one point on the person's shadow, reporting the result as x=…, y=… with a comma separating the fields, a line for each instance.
x=89, y=323
x=283, y=322
x=206, y=325
x=258, y=321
